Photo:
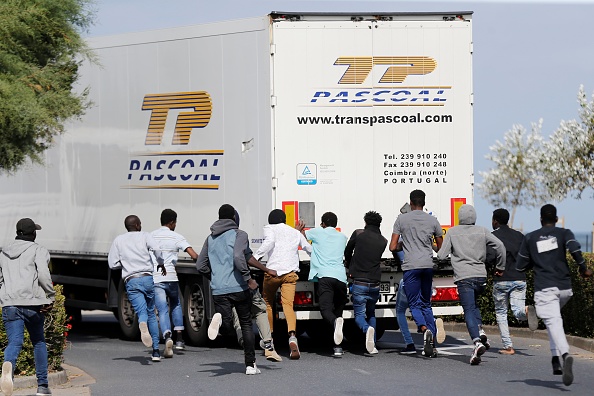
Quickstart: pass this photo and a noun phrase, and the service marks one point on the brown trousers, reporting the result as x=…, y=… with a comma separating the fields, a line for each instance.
x=287, y=284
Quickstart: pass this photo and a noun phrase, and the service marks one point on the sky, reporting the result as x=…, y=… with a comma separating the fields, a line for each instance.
x=529, y=61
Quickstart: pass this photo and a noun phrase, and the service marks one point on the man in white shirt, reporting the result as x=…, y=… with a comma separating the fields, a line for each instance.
x=130, y=252
x=167, y=286
x=281, y=243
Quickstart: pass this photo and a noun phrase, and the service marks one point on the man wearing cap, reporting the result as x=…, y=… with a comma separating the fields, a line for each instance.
x=131, y=253
x=281, y=243
x=544, y=251
x=26, y=294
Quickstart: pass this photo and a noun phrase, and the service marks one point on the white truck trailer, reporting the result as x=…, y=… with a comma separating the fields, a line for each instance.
x=308, y=112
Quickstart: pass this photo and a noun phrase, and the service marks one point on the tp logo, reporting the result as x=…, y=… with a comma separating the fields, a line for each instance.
x=399, y=68
x=160, y=104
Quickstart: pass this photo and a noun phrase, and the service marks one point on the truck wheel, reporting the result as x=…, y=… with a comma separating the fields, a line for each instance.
x=126, y=315
x=196, y=325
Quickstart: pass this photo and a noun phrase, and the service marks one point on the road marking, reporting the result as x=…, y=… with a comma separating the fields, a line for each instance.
x=363, y=371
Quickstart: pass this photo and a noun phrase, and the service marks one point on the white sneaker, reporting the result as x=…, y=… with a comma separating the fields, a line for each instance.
x=374, y=351
x=441, y=334
x=249, y=370
x=215, y=325
x=338, y=331
x=369, y=339
x=145, y=335
x=168, y=351
x=6, y=382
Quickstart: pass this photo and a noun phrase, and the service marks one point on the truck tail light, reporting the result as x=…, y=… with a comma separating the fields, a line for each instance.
x=445, y=294
x=301, y=298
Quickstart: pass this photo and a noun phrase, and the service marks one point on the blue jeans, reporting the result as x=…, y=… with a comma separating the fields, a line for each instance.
x=401, y=307
x=171, y=290
x=364, y=300
x=418, y=288
x=141, y=293
x=514, y=294
x=15, y=320
x=469, y=290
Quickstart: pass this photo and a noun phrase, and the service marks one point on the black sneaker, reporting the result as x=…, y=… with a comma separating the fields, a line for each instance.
x=484, y=339
x=156, y=356
x=567, y=370
x=338, y=352
x=557, y=369
x=409, y=349
x=43, y=390
x=428, y=343
x=180, y=345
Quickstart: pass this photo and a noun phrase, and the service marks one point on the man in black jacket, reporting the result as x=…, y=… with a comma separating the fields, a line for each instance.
x=544, y=250
x=509, y=287
x=363, y=267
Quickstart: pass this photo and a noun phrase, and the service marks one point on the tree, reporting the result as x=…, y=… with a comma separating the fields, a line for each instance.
x=570, y=153
x=40, y=53
x=516, y=178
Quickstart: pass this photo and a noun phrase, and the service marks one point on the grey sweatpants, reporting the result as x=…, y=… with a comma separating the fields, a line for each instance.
x=259, y=314
x=548, y=303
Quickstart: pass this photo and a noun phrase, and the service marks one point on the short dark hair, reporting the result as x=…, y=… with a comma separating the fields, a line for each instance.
x=131, y=221
x=501, y=216
x=548, y=213
x=168, y=216
x=330, y=219
x=373, y=218
x=226, y=211
x=417, y=197
x=277, y=216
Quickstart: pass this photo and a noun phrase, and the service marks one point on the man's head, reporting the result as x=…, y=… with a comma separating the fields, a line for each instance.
x=548, y=215
x=28, y=227
x=500, y=217
x=132, y=223
x=417, y=199
x=226, y=212
x=277, y=216
x=467, y=215
x=373, y=218
x=329, y=219
x=169, y=218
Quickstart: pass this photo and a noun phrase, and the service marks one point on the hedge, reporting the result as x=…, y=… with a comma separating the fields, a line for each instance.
x=578, y=314
x=56, y=331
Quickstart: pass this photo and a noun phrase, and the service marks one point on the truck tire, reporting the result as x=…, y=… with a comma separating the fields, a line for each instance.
x=196, y=325
x=126, y=316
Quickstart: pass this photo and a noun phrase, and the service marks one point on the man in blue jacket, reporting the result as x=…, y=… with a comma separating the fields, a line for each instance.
x=223, y=258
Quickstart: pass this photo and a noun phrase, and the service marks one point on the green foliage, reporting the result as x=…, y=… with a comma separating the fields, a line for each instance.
x=56, y=330
x=578, y=314
x=40, y=49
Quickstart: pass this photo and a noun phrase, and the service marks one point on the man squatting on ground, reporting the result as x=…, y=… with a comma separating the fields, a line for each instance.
x=281, y=243
x=417, y=230
x=544, y=251
x=362, y=255
x=327, y=268
x=509, y=286
x=167, y=286
x=258, y=309
x=223, y=258
x=130, y=252
x=467, y=243
x=26, y=295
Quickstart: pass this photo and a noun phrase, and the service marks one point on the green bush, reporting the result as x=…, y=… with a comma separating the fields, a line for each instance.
x=578, y=314
x=56, y=331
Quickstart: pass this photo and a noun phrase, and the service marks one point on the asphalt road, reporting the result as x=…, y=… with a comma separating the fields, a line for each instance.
x=124, y=367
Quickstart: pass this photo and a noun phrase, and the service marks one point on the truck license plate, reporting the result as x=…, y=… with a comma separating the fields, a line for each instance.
x=385, y=287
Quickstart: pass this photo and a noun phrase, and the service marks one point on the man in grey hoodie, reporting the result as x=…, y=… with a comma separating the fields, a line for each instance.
x=467, y=243
x=26, y=294
x=223, y=259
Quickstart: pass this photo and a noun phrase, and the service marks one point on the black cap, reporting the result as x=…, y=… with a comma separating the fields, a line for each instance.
x=26, y=226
